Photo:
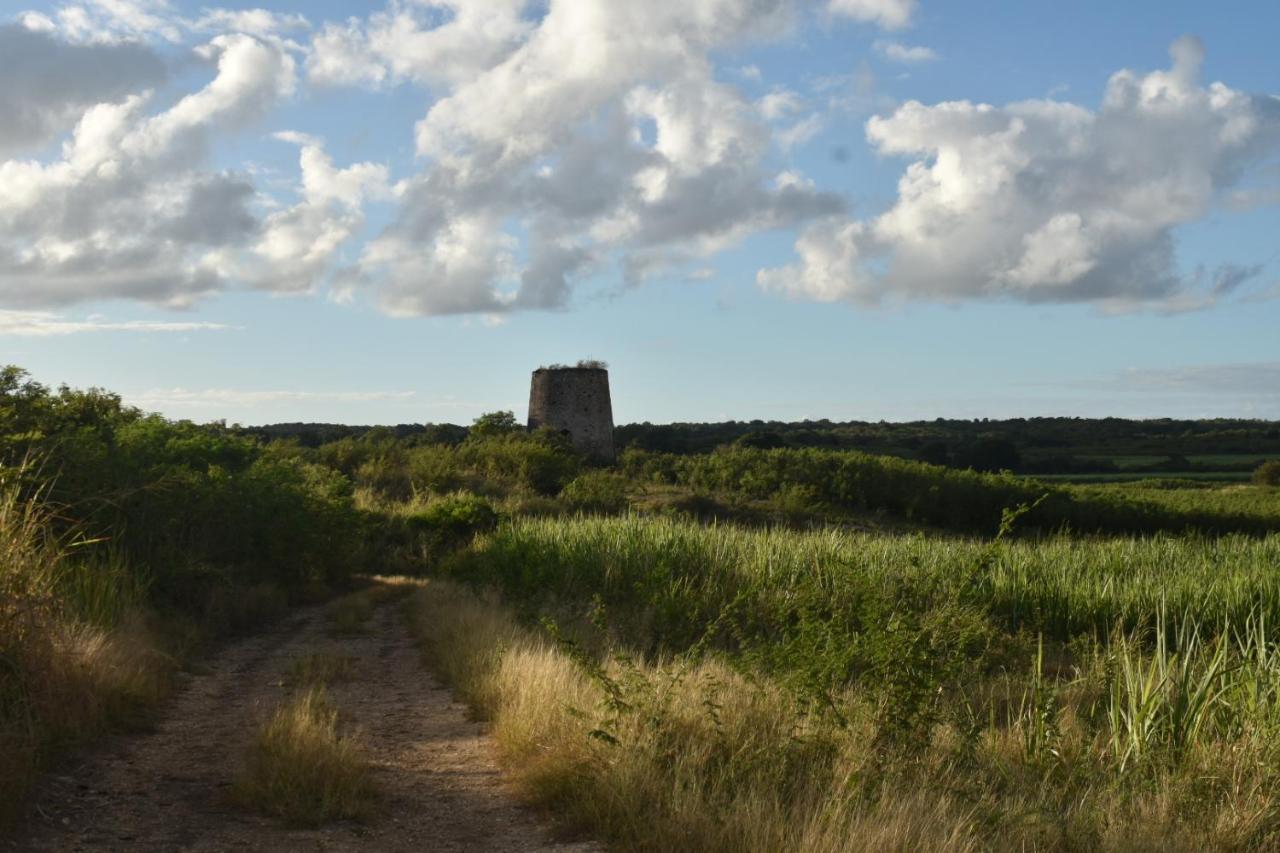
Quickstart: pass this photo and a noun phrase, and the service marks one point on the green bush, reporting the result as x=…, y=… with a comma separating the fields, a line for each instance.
x=460, y=514
x=193, y=509
x=597, y=491
x=1268, y=473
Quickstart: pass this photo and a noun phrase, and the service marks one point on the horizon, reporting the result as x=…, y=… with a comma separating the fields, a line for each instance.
x=870, y=210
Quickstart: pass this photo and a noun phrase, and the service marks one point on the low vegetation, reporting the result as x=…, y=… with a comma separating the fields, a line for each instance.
x=767, y=646
x=770, y=690
x=302, y=769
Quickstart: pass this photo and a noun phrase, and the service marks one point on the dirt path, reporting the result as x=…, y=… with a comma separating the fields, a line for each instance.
x=165, y=790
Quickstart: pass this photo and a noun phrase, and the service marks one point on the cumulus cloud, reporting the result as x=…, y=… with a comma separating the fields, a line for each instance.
x=1046, y=201
x=46, y=83
x=890, y=14
x=605, y=134
x=408, y=42
x=125, y=210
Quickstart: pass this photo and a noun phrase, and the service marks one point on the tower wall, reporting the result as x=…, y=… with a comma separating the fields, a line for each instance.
x=574, y=400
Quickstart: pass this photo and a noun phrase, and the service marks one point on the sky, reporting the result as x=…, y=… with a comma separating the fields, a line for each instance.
x=391, y=212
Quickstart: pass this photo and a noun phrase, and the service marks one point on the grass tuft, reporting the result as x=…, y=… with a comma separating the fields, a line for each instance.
x=301, y=769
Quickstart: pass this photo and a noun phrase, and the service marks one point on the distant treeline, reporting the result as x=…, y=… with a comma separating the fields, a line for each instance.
x=1022, y=445
x=314, y=435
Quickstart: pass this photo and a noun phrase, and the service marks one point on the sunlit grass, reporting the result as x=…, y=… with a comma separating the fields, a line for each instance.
x=762, y=690
x=302, y=769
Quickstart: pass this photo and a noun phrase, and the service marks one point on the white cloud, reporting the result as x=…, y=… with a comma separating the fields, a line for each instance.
x=46, y=83
x=107, y=21
x=908, y=54
x=408, y=42
x=340, y=56
x=136, y=21
x=780, y=103
x=605, y=135
x=890, y=14
x=128, y=211
x=214, y=397
x=37, y=324
x=1046, y=201
x=255, y=22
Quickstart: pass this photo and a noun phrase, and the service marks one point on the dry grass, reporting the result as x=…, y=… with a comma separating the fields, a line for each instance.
x=63, y=680
x=318, y=668
x=303, y=770
x=674, y=755
x=699, y=759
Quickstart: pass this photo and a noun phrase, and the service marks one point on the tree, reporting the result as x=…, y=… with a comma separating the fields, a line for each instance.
x=990, y=453
x=762, y=440
x=494, y=423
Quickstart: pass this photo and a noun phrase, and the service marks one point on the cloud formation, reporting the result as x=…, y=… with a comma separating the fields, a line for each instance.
x=43, y=324
x=1046, y=201
x=46, y=83
x=602, y=131
x=123, y=212
x=568, y=138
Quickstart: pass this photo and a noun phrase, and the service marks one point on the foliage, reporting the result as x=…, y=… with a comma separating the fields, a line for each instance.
x=1268, y=473
x=190, y=507
x=494, y=423
x=964, y=501
x=597, y=491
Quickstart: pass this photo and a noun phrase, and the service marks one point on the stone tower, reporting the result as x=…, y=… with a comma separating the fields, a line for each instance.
x=575, y=401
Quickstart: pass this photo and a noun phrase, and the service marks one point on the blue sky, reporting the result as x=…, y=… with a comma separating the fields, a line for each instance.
x=854, y=209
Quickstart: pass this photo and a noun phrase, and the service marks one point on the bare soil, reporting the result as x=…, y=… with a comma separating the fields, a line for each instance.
x=167, y=789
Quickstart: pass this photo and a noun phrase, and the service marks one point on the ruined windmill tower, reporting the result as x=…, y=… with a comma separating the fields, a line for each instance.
x=575, y=401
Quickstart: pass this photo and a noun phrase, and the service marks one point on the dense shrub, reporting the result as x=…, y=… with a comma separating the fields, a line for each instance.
x=597, y=491
x=190, y=507
x=1268, y=473
x=413, y=537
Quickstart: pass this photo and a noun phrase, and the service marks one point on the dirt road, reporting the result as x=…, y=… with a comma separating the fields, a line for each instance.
x=166, y=790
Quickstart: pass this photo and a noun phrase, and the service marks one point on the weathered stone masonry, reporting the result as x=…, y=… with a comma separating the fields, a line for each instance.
x=574, y=400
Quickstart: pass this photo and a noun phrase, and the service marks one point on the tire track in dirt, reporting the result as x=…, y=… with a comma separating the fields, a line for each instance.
x=166, y=790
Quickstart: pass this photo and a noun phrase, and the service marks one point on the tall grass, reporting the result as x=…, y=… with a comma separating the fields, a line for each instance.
x=1061, y=694
x=672, y=756
x=75, y=657
x=1131, y=749
x=667, y=580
